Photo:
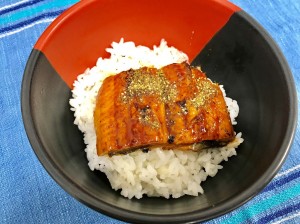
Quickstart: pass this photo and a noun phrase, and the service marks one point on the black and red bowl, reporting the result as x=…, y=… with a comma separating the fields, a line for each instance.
x=230, y=47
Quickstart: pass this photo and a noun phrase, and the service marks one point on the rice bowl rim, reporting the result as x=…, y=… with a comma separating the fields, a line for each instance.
x=198, y=215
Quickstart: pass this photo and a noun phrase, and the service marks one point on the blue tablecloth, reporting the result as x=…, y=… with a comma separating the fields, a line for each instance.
x=27, y=192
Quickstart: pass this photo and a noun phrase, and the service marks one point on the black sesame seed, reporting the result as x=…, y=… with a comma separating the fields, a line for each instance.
x=145, y=150
x=171, y=139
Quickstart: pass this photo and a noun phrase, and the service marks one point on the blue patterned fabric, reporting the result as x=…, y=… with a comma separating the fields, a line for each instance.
x=27, y=192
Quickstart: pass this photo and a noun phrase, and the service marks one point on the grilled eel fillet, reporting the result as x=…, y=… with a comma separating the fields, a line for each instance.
x=172, y=107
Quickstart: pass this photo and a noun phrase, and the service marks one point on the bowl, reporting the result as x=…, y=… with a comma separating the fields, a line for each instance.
x=231, y=47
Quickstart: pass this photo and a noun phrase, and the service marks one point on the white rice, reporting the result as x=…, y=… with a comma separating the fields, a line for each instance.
x=159, y=172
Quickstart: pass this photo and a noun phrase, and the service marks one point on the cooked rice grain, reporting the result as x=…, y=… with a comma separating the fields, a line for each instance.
x=159, y=172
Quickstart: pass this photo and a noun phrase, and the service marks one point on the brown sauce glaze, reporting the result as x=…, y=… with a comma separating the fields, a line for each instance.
x=173, y=107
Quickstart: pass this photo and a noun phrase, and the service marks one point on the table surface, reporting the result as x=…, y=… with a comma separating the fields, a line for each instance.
x=29, y=195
